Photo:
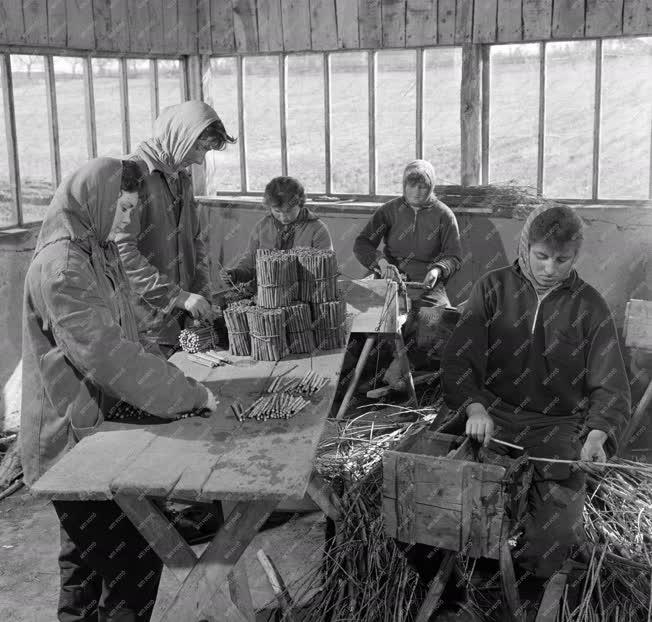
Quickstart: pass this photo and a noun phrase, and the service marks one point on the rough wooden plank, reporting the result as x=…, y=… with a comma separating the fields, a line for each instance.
x=204, y=35
x=568, y=19
x=484, y=21
x=537, y=19
x=370, y=24
x=53, y=120
x=216, y=562
x=7, y=89
x=81, y=29
x=85, y=473
x=421, y=23
x=12, y=24
x=102, y=19
x=120, y=25
x=187, y=16
x=509, y=21
x=222, y=27
x=323, y=25
x=35, y=15
x=405, y=498
x=57, y=24
x=436, y=589
x=245, y=25
x=296, y=25
x=89, y=105
x=604, y=18
x=139, y=26
x=156, y=26
x=553, y=595
x=470, y=102
x=446, y=22
x=464, y=22
x=159, y=533
x=637, y=17
x=347, y=24
x=393, y=20
x=171, y=26
x=270, y=26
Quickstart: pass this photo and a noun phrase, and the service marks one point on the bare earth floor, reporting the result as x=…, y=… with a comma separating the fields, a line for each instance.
x=29, y=545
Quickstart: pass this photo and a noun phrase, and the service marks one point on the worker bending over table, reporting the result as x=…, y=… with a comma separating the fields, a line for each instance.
x=161, y=243
x=535, y=361
x=289, y=224
x=81, y=357
x=421, y=243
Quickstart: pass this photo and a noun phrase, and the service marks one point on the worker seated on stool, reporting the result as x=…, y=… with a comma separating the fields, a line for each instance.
x=535, y=361
x=289, y=224
x=421, y=241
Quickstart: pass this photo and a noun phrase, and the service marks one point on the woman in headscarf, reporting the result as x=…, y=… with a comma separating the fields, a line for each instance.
x=81, y=356
x=535, y=361
x=161, y=243
x=289, y=224
x=420, y=233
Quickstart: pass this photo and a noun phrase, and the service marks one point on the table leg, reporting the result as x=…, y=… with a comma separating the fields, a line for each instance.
x=401, y=353
x=212, y=569
x=359, y=367
x=320, y=491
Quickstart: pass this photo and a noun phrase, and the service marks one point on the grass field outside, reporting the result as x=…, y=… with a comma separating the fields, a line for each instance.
x=626, y=120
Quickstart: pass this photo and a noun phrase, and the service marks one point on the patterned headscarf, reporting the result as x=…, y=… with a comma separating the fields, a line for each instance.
x=82, y=210
x=424, y=169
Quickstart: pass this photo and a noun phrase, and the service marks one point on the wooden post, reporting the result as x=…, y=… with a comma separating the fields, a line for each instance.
x=283, y=110
x=6, y=82
x=470, y=114
x=53, y=120
x=154, y=100
x=196, y=66
x=89, y=101
x=124, y=106
x=486, y=112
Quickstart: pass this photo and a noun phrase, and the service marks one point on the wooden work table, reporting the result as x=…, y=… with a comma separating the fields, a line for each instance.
x=255, y=463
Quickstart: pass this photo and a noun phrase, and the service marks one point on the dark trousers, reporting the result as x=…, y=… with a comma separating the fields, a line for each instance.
x=108, y=571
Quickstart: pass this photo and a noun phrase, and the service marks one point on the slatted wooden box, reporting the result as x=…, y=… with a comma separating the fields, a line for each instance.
x=434, y=494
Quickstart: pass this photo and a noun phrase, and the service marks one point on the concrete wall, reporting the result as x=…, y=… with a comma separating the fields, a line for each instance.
x=616, y=259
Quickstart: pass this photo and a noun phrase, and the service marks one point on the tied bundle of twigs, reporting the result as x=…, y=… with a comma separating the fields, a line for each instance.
x=237, y=325
x=276, y=276
x=329, y=324
x=198, y=338
x=267, y=331
x=298, y=327
x=317, y=271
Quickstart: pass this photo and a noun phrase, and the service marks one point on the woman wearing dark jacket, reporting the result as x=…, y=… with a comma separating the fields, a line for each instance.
x=81, y=356
x=535, y=361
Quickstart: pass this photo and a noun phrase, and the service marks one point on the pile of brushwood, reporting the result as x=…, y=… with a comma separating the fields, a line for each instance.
x=364, y=577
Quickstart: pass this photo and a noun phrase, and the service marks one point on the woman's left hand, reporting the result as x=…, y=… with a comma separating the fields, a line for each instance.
x=593, y=449
x=431, y=278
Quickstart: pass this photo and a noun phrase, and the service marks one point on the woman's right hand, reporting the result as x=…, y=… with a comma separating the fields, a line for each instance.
x=479, y=424
x=388, y=270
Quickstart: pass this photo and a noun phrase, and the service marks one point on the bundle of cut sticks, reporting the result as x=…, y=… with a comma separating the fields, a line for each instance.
x=237, y=325
x=267, y=330
x=298, y=327
x=199, y=338
x=317, y=271
x=276, y=275
x=329, y=323
x=275, y=406
x=311, y=382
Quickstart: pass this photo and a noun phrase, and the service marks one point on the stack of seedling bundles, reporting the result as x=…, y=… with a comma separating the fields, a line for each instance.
x=237, y=324
x=276, y=276
x=267, y=331
x=298, y=325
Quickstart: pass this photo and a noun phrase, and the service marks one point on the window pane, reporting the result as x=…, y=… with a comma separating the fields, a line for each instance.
x=441, y=112
x=140, y=108
x=350, y=122
x=71, y=110
x=7, y=207
x=305, y=120
x=395, y=117
x=570, y=86
x=514, y=114
x=221, y=91
x=169, y=83
x=106, y=87
x=262, y=120
x=626, y=118
x=33, y=135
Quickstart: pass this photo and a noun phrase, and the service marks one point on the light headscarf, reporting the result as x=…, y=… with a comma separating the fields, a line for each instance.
x=82, y=210
x=427, y=172
x=524, y=252
x=175, y=131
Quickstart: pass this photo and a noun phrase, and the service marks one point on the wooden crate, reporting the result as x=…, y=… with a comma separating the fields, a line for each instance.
x=434, y=494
